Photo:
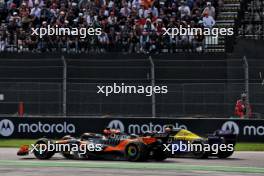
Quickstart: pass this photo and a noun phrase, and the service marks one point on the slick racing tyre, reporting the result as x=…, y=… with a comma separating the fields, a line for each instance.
x=136, y=151
x=159, y=154
x=199, y=154
x=224, y=154
x=41, y=151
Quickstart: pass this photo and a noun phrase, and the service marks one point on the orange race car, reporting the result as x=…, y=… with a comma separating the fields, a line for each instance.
x=110, y=145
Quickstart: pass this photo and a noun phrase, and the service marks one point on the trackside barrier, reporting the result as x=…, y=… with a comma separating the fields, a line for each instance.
x=247, y=130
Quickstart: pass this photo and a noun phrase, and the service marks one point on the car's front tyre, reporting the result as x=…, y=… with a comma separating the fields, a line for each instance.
x=159, y=154
x=41, y=151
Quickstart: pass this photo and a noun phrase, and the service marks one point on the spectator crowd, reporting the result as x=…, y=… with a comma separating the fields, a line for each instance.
x=127, y=25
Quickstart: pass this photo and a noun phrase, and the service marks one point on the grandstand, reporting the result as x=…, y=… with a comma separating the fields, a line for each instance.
x=252, y=20
x=124, y=23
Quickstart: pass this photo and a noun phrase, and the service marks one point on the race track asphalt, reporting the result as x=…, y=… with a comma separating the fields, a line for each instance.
x=241, y=163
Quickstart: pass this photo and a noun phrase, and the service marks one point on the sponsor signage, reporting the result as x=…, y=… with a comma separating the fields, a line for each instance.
x=6, y=127
x=230, y=126
x=31, y=127
x=243, y=129
x=247, y=130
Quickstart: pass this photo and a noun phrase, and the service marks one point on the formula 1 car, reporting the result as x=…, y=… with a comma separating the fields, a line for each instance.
x=111, y=145
x=185, y=143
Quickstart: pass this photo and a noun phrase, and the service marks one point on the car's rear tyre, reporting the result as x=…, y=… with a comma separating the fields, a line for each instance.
x=199, y=154
x=136, y=151
x=224, y=154
x=42, y=144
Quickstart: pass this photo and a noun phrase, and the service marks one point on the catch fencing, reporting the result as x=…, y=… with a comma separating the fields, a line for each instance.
x=83, y=99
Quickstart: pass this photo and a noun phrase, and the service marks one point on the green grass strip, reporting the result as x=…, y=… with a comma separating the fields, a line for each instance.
x=249, y=147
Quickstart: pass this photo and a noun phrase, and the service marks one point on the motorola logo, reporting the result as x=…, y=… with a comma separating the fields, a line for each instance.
x=116, y=124
x=230, y=126
x=6, y=127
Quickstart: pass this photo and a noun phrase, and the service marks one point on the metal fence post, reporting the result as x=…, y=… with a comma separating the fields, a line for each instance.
x=64, y=87
x=153, y=102
x=246, y=84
